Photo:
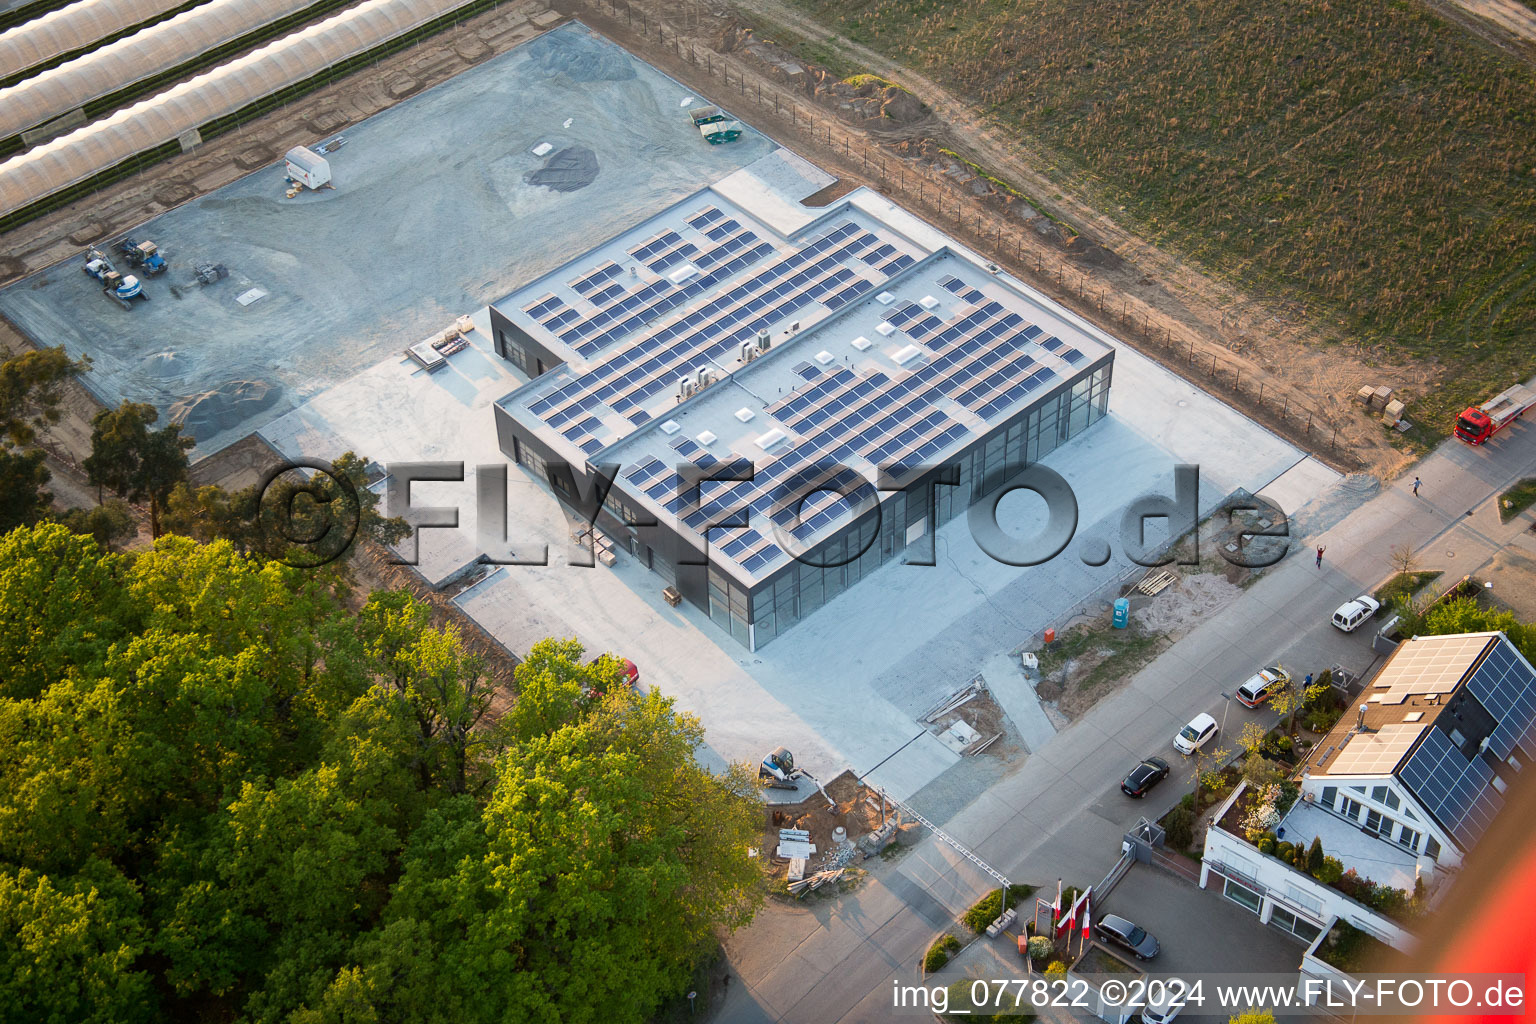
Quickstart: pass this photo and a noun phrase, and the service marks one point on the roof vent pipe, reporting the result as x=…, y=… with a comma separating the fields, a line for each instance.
x=1360, y=722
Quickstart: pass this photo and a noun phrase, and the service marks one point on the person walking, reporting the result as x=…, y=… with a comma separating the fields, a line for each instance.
x=1319, y=556
x=1415, y=487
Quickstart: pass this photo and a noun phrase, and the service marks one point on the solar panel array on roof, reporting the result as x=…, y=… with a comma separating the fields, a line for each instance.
x=818, y=272
x=1458, y=790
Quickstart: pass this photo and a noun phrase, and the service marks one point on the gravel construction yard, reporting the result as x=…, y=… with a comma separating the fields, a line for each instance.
x=440, y=206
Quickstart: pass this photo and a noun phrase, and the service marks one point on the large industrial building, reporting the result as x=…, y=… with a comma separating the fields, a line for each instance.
x=807, y=348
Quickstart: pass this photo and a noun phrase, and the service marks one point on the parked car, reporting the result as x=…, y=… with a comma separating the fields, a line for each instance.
x=1170, y=996
x=1195, y=735
x=1144, y=776
x=1120, y=932
x=1262, y=685
x=1352, y=613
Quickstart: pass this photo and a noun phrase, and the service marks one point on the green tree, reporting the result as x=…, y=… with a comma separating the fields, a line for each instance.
x=314, y=510
x=64, y=608
x=211, y=513
x=69, y=948
x=443, y=688
x=1315, y=855
x=1209, y=762
x=1468, y=615
x=22, y=479
x=602, y=833
x=31, y=387
x=287, y=876
x=135, y=462
x=107, y=523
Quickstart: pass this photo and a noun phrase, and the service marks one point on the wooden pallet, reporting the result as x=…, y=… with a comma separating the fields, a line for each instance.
x=1156, y=582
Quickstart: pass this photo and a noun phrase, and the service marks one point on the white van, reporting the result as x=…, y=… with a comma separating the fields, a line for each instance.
x=1350, y=615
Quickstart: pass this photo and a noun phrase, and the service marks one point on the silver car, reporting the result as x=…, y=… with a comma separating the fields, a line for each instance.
x=1120, y=932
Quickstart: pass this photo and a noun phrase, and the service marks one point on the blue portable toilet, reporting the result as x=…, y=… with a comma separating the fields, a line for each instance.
x=1122, y=612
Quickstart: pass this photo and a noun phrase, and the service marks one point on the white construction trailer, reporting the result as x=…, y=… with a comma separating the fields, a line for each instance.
x=307, y=167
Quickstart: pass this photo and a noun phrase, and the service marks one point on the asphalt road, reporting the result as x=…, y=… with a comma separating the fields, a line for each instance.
x=1061, y=814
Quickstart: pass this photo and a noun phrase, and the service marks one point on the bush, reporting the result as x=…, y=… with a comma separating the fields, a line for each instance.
x=1179, y=824
x=1041, y=947
x=1187, y=801
x=1056, y=969
x=1267, y=843
x=1330, y=872
x=961, y=1008
x=990, y=907
x=1286, y=851
x=1315, y=855
x=1285, y=744
x=1321, y=720
x=939, y=953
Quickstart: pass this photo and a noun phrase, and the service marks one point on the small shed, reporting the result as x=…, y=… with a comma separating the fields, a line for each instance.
x=307, y=167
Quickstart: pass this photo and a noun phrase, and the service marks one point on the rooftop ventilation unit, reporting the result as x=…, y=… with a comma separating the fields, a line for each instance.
x=861, y=343
x=771, y=440
x=907, y=356
x=685, y=389
x=670, y=427
x=748, y=351
x=744, y=414
x=707, y=437
x=763, y=341
x=885, y=298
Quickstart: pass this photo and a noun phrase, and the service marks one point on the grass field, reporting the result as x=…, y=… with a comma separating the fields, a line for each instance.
x=1363, y=159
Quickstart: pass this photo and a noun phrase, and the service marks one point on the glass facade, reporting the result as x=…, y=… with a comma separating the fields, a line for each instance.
x=800, y=588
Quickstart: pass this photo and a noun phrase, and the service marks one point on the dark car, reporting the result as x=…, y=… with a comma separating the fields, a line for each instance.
x=1120, y=932
x=1144, y=776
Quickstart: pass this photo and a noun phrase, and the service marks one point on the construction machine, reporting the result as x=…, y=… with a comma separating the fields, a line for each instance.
x=145, y=255
x=208, y=273
x=120, y=289
x=778, y=769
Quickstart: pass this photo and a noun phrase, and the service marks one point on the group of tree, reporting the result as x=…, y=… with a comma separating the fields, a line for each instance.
x=1465, y=615
x=31, y=390
x=316, y=515
x=225, y=795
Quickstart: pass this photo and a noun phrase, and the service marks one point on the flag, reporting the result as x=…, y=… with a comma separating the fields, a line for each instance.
x=1067, y=921
x=1065, y=924
x=1087, y=915
x=1056, y=907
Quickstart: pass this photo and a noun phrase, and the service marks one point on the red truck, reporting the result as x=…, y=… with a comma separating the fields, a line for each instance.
x=1480, y=422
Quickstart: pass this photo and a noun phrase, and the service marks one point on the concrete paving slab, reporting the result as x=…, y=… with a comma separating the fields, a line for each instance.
x=1299, y=485
x=1012, y=690
x=431, y=217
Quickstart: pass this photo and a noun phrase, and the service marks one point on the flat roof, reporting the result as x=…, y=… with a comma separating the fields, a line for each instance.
x=881, y=351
